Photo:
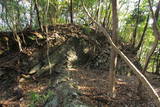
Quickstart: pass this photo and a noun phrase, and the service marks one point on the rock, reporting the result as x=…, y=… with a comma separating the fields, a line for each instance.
x=66, y=95
x=21, y=80
x=53, y=103
x=75, y=103
x=35, y=69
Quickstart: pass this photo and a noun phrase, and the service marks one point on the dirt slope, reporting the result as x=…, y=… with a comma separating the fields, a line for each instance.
x=68, y=67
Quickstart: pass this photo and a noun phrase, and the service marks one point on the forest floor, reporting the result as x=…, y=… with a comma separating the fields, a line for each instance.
x=18, y=89
x=92, y=87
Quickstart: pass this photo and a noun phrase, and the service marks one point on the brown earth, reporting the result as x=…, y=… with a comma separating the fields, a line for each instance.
x=17, y=85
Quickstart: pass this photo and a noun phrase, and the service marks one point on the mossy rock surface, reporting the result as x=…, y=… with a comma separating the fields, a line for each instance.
x=65, y=93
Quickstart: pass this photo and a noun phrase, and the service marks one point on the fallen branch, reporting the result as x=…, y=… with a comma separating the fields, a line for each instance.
x=140, y=76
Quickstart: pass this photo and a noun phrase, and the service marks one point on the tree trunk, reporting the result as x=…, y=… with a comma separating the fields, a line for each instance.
x=113, y=62
x=133, y=39
x=143, y=34
x=158, y=62
x=99, y=11
x=106, y=16
x=31, y=15
x=71, y=11
x=38, y=15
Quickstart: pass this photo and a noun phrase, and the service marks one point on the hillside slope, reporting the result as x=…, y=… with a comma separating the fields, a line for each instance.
x=66, y=67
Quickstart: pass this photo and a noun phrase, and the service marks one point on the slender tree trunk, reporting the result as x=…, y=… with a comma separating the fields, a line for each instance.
x=99, y=11
x=31, y=15
x=38, y=15
x=113, y=62
x=133, y=39
x=13, y=27
x=106, y=15
x=143, y=34
x=158, y=62
x=71, y=11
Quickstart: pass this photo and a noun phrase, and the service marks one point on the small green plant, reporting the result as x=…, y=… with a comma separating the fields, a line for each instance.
x=32, y=37
x=38, y=99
